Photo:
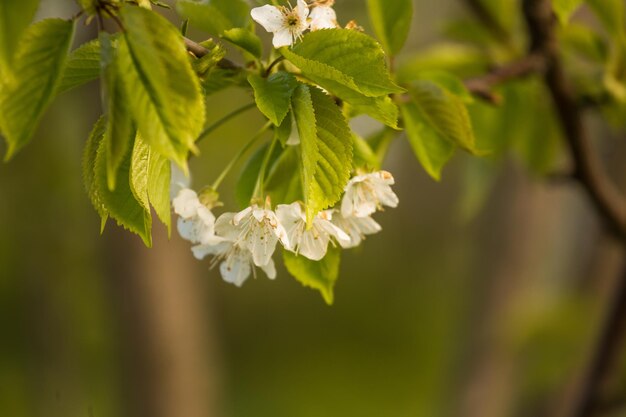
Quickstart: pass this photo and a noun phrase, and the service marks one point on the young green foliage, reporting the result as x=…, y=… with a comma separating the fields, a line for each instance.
x=326, y=143
x=36, y=72
x=83, y=66
x=391, y=20
x=432, y=151
x=284, y=184
x=120, y=203
x=351, y=65
x=565, y=8
x=320, y=275
x=14, y=18
x=120, y=130
x=339, y=59
x=216, y=16
x=150, y=180
x=364, y=156
x=445, y=112
x=273, y=95
x=162, y=90
x=89, y=162
x=244, y=39
x=247, y=181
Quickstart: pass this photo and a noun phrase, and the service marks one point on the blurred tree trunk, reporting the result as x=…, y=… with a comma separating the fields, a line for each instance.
x=169, y=361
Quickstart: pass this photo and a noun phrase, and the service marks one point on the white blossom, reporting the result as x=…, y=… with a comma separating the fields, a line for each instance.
x=196, y=222
x=355, y=227
x=311, y=243
x=286, y=23
x=255, y=229
x=236, y=262
x=178, y=180
x=367, y=193
x=323, y=16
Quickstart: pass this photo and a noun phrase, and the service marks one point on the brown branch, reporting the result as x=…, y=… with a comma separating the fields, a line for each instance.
x=609, y=203
x=607, y=200
x=200, y=51
x=483, y=85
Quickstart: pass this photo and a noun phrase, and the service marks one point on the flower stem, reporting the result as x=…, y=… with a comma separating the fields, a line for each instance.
x=206, y=132
x=239, y=154
x=259, y=189
x=273, y=64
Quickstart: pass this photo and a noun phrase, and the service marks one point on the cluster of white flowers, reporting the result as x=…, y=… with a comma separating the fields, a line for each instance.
x=289, y=23
x=245, y=240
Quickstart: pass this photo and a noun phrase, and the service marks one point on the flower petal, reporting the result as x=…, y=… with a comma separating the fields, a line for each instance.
x=186, y=203
x=303, y=11
x=236, y=268
x=323, y=17
x=270, y=17
x=269, y=269
x=262, y=243
x=282, y=37
x=178, y=180
x=211, y=248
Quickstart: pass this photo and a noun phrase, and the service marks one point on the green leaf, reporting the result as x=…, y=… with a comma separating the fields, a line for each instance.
x=89, y=162
x=391, y=20
x=219, y=78
x=88, y=6
x=244, y=189
x=364, y=156
x=431, y=150
x=14, y=18
x=382, y=109
x=121, y=203
x=150, y=180
x=340, y=59
x=445, y=112
x=163, y=92
x=463, y=60
x=36, y=72
x=215, y=16
x=245, y=39
x=351, y=65
x=273, y=95
x=283, y=183
x=326, y=144
x=584, y=42
x=215, y=53
x=448, y=81
x=380, y=141
x=120, y=131
x=282, y=132
x=612, y=13
x=159, y=178
x=564, y=9
x=320, y=275
x=83, y=65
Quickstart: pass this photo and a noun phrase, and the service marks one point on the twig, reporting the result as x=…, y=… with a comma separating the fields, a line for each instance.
x=482, y=86
x=609, y=203
x=607, y=200
x=200, y=51
x=605, y=351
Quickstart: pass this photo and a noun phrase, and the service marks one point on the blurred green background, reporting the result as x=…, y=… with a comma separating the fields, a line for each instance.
x=479, y=298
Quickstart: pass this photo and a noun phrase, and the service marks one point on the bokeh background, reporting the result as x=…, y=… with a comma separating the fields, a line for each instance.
x=480, y=298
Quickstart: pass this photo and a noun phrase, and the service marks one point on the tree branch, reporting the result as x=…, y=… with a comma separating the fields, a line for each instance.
x=608, y=201
x=200, y=51
x=483, y=85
